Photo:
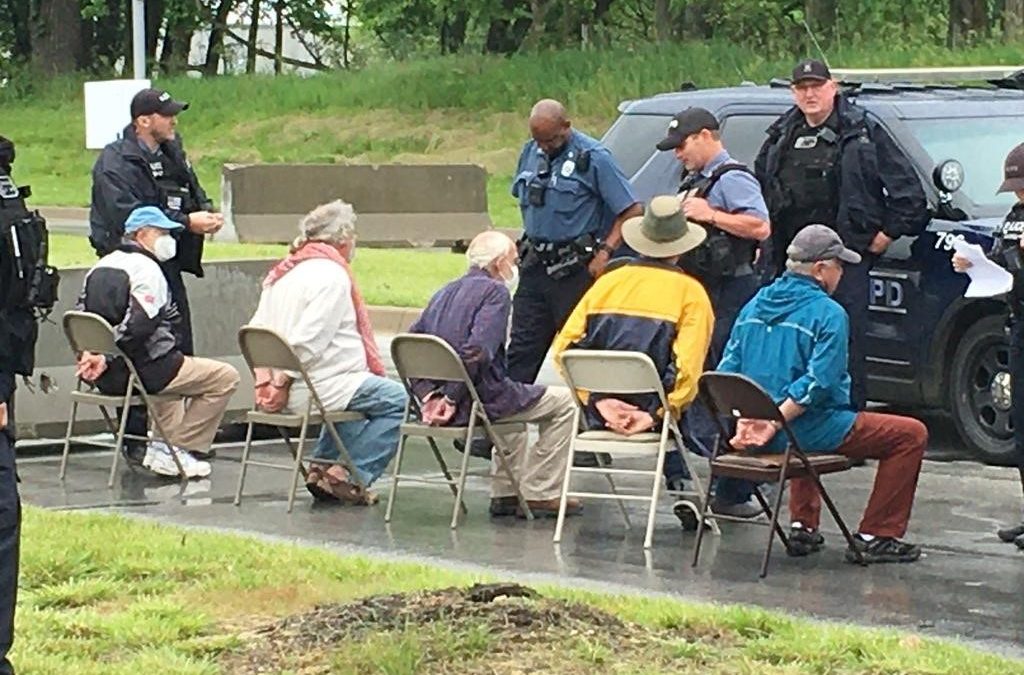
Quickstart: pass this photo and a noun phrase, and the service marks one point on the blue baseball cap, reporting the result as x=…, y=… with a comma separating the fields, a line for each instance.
x=149, y=216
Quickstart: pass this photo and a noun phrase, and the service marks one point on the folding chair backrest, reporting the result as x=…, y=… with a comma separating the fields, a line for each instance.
x=88, y=332
x=612, y=372
x=738, y=396
x=426, y=357
x=266, y=348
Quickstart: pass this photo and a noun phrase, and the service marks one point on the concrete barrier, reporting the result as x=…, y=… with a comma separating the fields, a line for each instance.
x=221, y=302
x=398, y=205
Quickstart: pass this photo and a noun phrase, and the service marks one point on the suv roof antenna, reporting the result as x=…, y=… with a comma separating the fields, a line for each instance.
x=817, y=45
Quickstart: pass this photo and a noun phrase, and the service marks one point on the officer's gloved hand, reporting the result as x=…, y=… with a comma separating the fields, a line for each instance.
x=6, y=154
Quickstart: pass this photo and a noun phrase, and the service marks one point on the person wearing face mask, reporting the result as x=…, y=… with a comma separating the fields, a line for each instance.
x=472, y=315
x=127, y=288
x=791, y=339
x=311, y=298
x=147, y=166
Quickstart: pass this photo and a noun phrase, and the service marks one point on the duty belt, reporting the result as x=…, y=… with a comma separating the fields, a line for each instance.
x=559, y=259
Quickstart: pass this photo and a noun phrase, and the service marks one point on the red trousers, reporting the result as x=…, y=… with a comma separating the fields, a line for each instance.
x=898, y=443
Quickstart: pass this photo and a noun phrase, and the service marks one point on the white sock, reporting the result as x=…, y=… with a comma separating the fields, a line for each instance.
x=866, y=537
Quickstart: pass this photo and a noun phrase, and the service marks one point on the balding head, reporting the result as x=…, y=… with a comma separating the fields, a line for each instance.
x=549, y=125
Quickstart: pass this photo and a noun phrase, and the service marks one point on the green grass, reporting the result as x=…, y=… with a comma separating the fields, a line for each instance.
x=455, y=109
x=107, y=595
x=383, y=274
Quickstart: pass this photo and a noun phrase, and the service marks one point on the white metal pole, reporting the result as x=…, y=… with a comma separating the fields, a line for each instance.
x=139, y=38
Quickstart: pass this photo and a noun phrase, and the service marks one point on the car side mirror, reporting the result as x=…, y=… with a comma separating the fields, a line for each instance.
x=948, y=176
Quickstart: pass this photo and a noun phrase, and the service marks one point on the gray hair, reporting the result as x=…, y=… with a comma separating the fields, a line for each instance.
x=487, y=247
x=334, y=221
x=799, y=267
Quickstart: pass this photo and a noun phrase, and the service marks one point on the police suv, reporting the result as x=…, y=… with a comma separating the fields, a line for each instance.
x=927, y=345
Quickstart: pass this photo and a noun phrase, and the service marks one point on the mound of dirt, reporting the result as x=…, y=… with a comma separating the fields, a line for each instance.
x=517, y=616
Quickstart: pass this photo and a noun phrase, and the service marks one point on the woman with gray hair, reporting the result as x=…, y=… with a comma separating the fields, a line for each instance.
x=312, y=299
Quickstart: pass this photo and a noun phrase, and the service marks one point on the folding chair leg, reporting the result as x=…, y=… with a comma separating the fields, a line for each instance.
x=566, y=482
x=67, y=440
x=705, y=509
x=118, y=443
x=462, y=473
x=620, y=502
x=245, y=463
x=444, y=470
x=394, y=477
x=838, y=518
x=298, y=462
x=774, y=528
x=653, y=510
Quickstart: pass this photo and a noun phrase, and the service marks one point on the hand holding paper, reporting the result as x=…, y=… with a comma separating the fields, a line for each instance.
x=987, y=278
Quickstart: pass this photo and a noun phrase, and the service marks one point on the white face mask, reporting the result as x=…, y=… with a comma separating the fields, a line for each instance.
x=165, y=247
x=512, y=282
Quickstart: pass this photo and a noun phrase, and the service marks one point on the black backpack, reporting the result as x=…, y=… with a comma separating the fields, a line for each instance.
x=27, y=280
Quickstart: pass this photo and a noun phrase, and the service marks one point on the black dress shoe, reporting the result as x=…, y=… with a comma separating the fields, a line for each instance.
x=480, y=447
x=1009, y=534
x=134, y=452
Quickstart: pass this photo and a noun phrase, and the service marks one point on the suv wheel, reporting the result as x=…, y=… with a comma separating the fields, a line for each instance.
x=980, y=391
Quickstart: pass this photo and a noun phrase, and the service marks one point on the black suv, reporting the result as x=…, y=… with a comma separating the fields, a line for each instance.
x=928, y=346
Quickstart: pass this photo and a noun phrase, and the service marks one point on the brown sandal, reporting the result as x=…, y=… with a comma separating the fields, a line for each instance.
x=314, y=478
x=346, y=492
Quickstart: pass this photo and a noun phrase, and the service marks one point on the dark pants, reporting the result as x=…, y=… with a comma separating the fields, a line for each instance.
x=700, y=432
x=1017, y=391
x=10, y=534
x=898, y=443
x=854, y=293
x=138, y=421
x=539, y=310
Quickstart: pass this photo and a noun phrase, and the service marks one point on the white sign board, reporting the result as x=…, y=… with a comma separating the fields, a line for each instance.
x=107, y=106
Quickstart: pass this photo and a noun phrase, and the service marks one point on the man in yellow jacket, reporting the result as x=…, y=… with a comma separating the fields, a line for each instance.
x=647, y=304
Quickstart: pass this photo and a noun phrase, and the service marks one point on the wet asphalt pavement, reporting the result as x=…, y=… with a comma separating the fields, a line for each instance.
x=967, y=586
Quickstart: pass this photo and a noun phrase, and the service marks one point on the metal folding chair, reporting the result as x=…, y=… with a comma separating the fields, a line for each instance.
x=265, y=348
x=426, y=357
x=88, y=332
x=618, y=372
x=737, y=396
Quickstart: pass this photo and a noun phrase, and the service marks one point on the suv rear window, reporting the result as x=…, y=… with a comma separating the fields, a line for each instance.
x=632, y=138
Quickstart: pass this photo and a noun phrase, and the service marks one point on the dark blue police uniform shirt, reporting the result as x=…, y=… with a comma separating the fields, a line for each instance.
x=735, y=191
x=576, y=202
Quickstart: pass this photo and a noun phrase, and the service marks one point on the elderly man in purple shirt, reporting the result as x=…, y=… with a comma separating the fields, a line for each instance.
x=472, y=315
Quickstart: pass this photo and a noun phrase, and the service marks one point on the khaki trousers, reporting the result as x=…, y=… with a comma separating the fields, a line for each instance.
x=539, y=469
x=207, y=385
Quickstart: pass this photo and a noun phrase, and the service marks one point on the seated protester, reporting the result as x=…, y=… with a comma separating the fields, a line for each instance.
x=791, y=338
x=648, y=304
x=312, y=300
x=128, y=289
x=472, y=315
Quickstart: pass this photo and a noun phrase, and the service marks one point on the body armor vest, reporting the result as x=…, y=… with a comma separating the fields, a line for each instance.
x=173, y=180
x=722, y=254
x=27, y=281
x=809, y=176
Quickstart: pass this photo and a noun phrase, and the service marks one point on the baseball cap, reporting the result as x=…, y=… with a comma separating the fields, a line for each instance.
x=149, y=216
x=149, y=101
x=810, y=69
x=684, y=125
x=818, y=242
x=1013, y=171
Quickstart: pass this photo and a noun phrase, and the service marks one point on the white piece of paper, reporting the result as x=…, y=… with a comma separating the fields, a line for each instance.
x=987, y=278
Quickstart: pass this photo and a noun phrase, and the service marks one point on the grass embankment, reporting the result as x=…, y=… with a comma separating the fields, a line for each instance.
x=457, y=109
x=106, y=595
x=398, y=277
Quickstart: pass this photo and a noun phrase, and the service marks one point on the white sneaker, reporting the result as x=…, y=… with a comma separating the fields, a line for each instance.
x=159, y=460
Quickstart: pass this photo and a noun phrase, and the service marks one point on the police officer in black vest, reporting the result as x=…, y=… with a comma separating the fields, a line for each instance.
x=27, y=287
x=147, y=166
x=725, y=198
x=825, y=161
x=1008, y=251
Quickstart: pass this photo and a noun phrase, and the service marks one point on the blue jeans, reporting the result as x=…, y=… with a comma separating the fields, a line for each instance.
x=371, y=442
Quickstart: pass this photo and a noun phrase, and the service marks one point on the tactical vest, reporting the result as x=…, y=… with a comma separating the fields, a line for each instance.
x=1007, y=252
x=809, y=176
x=172, y=179
x=722, y=254
x=27, y=281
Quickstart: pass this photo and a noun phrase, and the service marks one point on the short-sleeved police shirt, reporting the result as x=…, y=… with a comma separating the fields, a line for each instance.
x=735, y=191
x=576, y=202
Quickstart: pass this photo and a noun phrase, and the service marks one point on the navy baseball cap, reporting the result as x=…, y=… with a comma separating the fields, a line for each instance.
x=811, y=69
x=150, y=101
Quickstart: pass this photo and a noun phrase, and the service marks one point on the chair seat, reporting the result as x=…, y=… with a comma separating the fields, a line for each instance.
x=767, y=467
x=638, y=445
x=294, y=420
x=424, y=430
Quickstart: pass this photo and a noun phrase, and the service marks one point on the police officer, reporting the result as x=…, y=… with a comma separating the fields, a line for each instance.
x=147, y=166
x=725, y=198
x=17, y=346
x=1007, y=251
x=574, y=199
x=825, y=161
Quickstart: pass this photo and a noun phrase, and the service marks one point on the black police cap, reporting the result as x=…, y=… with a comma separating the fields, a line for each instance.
x=150, y=101
x=685, y=124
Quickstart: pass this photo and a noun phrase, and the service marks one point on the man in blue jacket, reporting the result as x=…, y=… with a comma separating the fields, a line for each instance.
x=792, y=340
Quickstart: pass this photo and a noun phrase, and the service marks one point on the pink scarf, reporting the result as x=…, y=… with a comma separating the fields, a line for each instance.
x=318, y=249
